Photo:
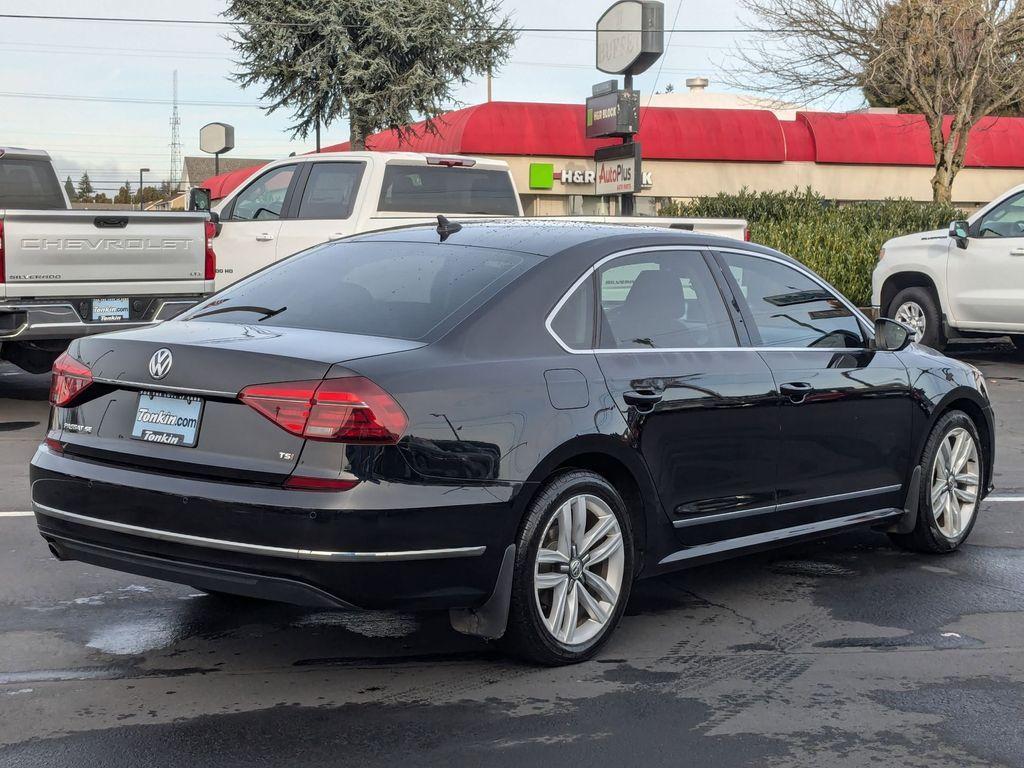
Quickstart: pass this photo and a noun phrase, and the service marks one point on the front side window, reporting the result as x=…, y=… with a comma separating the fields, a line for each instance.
x=1005, y=220
x=662, y=300
x=330, y=191
x=399, y=290
x=264, y=198
x=790, y=309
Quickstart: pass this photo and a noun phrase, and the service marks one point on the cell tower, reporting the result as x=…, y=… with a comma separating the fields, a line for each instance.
x=175, y=139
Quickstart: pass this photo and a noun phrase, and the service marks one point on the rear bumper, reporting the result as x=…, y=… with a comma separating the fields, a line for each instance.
x=27, y=320
x=292, y=546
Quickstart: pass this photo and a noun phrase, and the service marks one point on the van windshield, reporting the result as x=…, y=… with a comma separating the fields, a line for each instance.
x=400, y=290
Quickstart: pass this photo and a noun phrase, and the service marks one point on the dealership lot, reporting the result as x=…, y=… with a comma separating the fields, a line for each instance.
x=844, y=652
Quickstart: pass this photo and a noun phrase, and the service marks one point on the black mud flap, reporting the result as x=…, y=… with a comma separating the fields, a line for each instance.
x=491, y=618
x=908, y=520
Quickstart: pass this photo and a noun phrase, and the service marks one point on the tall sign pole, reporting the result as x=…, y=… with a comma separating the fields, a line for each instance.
x=630, y=38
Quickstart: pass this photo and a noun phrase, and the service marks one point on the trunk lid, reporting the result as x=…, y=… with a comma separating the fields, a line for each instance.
x=209, y=363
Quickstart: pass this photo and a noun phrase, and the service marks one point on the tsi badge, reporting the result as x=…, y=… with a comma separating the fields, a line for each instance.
x=160, y=363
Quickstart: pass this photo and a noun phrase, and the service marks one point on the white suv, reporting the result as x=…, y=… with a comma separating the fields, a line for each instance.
x=961, y=282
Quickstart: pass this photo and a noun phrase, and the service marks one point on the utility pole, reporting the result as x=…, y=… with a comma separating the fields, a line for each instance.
x=488, y=85
x=141, y=171
x=175, y=139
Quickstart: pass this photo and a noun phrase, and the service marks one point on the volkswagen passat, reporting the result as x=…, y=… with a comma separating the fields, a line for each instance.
x=511, y=421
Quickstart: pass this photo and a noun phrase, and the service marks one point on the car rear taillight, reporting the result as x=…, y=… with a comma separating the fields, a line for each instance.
x=351, y=409
x=211, y=258
x=3, y=266
x=70, y=377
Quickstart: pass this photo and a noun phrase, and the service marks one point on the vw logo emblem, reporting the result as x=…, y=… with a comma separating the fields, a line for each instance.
x=160, y=363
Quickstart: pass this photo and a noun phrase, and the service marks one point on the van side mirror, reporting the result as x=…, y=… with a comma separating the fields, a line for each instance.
x=891, y=336
x=961, y=232
x=199, y=199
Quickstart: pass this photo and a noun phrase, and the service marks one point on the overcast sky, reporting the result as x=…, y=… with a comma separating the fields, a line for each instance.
x=112, y=140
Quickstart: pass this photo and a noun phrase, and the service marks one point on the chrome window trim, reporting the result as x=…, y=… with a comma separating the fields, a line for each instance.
x=158, y=387
x=858, y=315
x=257, y=549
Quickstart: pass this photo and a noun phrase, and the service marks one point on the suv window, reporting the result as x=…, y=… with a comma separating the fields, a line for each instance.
x=264, y=198
x=790, y=309
x=29, y=184
x=438, y=189
x=663, y=300
x=1005, y=220
x=330, y=190
x=401, y=290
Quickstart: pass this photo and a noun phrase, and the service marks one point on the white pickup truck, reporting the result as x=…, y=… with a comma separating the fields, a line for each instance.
x=292, y=204
x=65, y=273
x=964, y=281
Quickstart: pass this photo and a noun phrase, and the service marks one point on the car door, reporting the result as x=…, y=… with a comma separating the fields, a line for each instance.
x=251, y=224
x=985, y=280
x=701, y=408
x=325, y=199
x=845, y=409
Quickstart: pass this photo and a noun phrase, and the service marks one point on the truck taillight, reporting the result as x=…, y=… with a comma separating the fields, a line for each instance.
x=211, y=258
x=451, y=162
x=746, y=234
x=3, y=263
x=351, y=409
x=69, y=378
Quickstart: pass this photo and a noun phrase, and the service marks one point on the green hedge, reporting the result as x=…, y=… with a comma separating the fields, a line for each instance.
x=839, y=242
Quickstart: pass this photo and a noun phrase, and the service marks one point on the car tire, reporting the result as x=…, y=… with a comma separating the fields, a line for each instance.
x=559, y=612
x=941, y=527
x=919, y=308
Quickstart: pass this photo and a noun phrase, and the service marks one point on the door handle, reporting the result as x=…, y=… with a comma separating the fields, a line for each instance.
x=1017, y=252
x=264, y=237
x=644, y=402
x=796, y=391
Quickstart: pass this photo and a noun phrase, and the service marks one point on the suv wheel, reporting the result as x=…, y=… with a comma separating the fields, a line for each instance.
x=918, y=308
x=573, y=573
x=951, y=487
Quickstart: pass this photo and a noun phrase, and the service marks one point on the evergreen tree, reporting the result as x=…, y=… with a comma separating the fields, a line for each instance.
x=379, y=62
x=124, y=194
x=85, y=190
x=69, y=187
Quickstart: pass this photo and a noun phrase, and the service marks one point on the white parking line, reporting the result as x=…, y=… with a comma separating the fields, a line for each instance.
x=16, y=514
x=1004, y=499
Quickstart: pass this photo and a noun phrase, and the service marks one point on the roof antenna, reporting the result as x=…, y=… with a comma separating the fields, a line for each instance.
x=446, y=228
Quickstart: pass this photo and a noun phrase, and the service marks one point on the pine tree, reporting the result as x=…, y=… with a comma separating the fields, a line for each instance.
x=124, y=194
x=85, y=190
x=69, y=187
x=378, y=62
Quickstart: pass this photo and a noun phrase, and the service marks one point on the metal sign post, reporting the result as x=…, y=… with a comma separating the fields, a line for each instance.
x=630, y=38
x=216, y=139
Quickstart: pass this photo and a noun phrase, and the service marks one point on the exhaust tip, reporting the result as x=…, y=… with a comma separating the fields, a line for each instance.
x=54, y=550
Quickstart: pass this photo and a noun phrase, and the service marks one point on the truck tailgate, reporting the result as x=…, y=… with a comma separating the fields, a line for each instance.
x=49, y=249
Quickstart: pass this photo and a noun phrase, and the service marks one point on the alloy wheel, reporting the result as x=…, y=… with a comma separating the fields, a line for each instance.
x=911, y=313
x=955, y=483
x=578, y=570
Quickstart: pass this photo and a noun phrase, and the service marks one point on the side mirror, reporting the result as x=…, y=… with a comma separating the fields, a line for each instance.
x=199, y=199
x=891, y=336
x=215, y=218
x=961, y=232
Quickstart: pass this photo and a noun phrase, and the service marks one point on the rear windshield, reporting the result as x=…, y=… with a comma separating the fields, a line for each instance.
x=438, y=189
x=399, y=290
x=29, y=184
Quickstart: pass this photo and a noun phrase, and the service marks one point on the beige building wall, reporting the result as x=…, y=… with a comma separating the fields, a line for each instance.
x=675, y=179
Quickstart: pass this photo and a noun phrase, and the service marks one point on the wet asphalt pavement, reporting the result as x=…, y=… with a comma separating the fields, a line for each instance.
x=844, y=652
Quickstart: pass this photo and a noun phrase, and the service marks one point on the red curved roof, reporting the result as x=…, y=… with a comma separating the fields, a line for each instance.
x=728, y=135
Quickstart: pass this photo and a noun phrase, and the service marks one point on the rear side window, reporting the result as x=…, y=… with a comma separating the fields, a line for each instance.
x=662, y=300
x=330, y=191
x=399, y=290
x=574, y=321
x=790, y=309
x=29, y=184
x=438, y=189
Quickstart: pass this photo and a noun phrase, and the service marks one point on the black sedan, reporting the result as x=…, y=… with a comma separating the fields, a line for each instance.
x=511, y=421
